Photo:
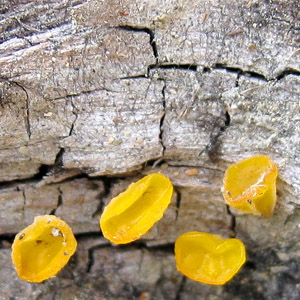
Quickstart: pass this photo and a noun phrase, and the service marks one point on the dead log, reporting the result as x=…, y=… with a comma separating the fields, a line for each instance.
x=94, y=95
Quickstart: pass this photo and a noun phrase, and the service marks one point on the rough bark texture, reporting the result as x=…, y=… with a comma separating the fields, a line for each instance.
x=96, y=94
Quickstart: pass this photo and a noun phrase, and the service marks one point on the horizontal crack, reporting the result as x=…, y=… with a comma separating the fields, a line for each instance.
x=51, y=170
x=235, y=70
x=188, y=67
x=251, y=74
x=43, y=169
x=287, y=72
x=134, y=77
x=240, y=71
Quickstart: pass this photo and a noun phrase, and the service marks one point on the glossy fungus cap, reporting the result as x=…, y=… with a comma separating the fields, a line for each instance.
x=43, y=248
x=250, y=185
x=209, y=258
x=133, y=212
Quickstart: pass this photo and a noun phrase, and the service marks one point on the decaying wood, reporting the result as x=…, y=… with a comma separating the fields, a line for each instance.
x=96, y=94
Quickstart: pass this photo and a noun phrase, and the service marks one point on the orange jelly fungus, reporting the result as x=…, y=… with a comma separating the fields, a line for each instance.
x=43, y=248
x=133, y=212
x=250, y=185
x=208, y=258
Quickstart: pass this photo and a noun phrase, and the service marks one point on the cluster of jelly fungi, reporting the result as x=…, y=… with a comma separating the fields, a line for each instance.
x=250, y=185
x=133, y=212
x=43, y=248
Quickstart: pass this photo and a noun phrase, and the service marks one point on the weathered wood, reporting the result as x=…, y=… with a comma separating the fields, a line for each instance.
x=96, y=94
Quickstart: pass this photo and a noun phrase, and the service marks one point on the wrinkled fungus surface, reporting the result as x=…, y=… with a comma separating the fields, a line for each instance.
x=208, y=258
x=43, y=248
x=250, y=185
x=133, y=212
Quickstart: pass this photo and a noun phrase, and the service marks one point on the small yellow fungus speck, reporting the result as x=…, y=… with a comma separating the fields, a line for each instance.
x=38, y=251
x=209, y=258
x=250, y=185
x=133, y=212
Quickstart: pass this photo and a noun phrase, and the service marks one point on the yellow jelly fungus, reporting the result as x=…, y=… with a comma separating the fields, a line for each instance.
x=250, y=185
x=208, y=258
x=43, y=248
x=133, y=212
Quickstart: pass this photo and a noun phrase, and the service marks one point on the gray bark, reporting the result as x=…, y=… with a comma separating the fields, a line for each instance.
x=96, y=94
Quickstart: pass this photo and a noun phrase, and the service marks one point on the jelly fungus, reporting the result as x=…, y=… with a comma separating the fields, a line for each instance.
x=133, y=212
x=250, y=185
x=208, y=258
x=43, y=248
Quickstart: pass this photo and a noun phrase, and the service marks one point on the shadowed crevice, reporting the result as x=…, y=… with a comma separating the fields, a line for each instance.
x=232, y=226
x=161, y=123
x=213, y=147
x=287, y=72
x=186, y=67
x=6, y=240
x=240, y=72
x=59, y=158
x=141, y=76
x=180, y=288
x=59, y=202
x=46, y=170
x=91, y=260
x=178, y=203
x=107, y=182
x=250, y=74
x=146, y=30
